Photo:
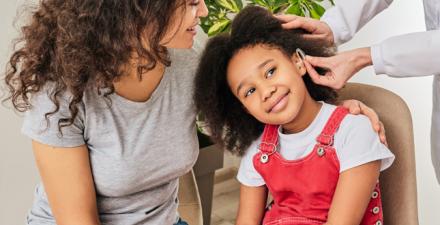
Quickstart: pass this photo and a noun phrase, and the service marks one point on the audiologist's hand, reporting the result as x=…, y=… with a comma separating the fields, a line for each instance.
x=317, y=29
x=340, y=68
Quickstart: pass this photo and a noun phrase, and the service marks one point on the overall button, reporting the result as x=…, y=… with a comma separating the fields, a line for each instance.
x=264, y=158
x=376, y=210
x=378, y=222
x=375, y=194
x=320, y=151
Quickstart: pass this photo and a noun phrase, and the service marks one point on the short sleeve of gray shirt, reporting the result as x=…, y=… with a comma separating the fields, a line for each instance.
x=46, y=131
x=137, y=150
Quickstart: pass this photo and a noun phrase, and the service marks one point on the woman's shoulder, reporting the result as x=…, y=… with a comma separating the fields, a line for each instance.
x=50, y=107
x=50, y=93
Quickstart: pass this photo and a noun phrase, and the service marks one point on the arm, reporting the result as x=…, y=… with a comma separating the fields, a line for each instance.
x=399, y=56
x=353, y=193
x=348, y=16
x=339, y=23
x=68, y=182
x=252, y=205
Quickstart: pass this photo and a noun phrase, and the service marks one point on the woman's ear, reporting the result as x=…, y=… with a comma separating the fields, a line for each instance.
x=298, y=60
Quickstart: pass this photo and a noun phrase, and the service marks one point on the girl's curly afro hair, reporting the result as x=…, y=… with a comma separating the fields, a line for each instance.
x=228, y=122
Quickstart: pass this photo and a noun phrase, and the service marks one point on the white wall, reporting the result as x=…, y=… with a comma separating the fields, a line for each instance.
x=18, y=174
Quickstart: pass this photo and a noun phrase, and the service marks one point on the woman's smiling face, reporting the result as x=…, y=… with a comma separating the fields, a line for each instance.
x=182, y=30
x=268, y=83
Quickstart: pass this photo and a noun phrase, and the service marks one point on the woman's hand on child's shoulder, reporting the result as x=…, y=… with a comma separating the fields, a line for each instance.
x=356, y=107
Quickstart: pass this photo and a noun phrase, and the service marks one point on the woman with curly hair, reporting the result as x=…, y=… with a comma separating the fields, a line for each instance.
x=319, y=163
x=105, y=85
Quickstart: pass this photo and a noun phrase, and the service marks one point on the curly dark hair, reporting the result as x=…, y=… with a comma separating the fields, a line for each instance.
x=228, y=122
x=76, y=44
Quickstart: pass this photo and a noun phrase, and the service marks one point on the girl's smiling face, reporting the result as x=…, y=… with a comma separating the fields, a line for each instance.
x=268, y=83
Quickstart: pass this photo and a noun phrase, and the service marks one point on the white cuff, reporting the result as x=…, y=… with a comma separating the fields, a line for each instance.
x=377, y=59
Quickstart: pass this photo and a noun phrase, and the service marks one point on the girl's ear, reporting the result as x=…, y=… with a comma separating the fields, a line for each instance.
x=298, y=61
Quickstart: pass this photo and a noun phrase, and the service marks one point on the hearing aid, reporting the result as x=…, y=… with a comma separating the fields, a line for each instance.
x=300, y=53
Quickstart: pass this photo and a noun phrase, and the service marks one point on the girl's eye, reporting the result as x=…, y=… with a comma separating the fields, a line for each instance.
x=249, y=92
x=270, y=73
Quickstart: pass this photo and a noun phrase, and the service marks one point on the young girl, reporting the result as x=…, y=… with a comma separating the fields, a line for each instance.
x=320, y=164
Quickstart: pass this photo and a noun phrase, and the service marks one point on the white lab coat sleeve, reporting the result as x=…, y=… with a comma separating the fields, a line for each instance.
x=414, y=54
x=349, y=16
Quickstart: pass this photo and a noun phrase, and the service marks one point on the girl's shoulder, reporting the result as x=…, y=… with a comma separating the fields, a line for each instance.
x=357, y=143
x=356, y=123
x=349, y=122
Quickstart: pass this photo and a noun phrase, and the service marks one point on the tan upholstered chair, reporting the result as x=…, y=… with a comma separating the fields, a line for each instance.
x=189, y=201
x=398, y=183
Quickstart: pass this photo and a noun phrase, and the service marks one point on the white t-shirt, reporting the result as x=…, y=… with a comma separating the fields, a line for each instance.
x=356, y=143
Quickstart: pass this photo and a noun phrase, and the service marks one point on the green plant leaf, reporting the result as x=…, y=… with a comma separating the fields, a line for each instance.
x=307, y=5
x=218, y=27
x=318, y=8
x=263, y=3
x=295, y=9
x=280, y=6
x=221, y=11
x=230, y=5
x=314, y=14
x=239, y=4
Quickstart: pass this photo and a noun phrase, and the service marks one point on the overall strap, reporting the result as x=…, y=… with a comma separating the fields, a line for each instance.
x=269, y=141
x=327, y=135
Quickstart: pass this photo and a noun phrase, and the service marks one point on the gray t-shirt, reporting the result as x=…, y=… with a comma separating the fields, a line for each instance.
x=137, y=150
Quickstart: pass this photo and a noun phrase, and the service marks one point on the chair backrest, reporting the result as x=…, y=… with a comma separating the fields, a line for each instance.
x=190, y=208
x=398, y=183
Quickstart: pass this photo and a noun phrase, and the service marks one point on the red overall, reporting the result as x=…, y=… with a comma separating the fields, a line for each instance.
x=303, y=189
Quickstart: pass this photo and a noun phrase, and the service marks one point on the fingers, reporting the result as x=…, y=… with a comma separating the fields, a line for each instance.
x=318, y=61
x=286, y=18
x=327, y=80
x=334, y=77
x=316, y=78
x=352, y=106
x=375, y=122
x=293, y=22
x=372, y=115
x=382, y=136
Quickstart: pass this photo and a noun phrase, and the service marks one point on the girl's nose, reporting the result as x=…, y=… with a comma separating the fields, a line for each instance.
x=267, y=92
